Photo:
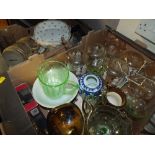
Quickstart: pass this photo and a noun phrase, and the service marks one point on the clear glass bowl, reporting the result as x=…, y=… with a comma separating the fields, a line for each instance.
x=106, y=120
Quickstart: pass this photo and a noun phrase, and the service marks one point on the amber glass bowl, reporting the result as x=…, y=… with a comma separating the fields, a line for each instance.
x=66, y=119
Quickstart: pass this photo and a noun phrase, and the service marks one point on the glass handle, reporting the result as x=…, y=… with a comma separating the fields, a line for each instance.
x=87, y=109
x=71, y=87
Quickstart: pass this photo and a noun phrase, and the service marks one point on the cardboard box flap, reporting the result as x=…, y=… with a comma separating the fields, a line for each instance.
x=26, y=71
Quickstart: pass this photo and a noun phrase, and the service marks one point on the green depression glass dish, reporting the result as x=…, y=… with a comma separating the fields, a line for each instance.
x=106, y=120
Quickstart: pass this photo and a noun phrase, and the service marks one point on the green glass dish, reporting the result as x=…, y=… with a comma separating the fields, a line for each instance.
x=106, y=120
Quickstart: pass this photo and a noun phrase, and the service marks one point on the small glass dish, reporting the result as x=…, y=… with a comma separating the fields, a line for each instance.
x=106, y=120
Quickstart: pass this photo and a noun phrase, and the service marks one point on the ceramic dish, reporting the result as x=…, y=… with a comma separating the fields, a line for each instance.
x=46, y=101
x=90, y=84
x=50, y=33
x=116, y=97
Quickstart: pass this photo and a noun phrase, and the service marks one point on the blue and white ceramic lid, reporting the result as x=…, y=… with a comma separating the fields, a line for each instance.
x=90, y=84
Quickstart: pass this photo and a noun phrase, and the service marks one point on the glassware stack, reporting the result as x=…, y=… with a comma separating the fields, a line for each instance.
x=131, y=72
x=140, y=88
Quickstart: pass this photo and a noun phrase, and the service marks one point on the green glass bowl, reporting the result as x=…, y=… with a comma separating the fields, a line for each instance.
x=106, y=120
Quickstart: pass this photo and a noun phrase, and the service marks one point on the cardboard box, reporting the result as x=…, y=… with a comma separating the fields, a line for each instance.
x=26, y=71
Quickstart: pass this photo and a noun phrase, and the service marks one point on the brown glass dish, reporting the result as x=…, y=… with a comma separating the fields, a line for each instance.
x=66, y=119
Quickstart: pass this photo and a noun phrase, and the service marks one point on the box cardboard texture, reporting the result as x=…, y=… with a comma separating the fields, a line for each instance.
x=26, y=71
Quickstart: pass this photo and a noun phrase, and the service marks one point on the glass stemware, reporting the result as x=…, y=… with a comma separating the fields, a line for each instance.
x=97, y=60
x=76, y=63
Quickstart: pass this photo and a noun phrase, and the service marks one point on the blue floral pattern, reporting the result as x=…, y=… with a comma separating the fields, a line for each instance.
x=86, y=89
